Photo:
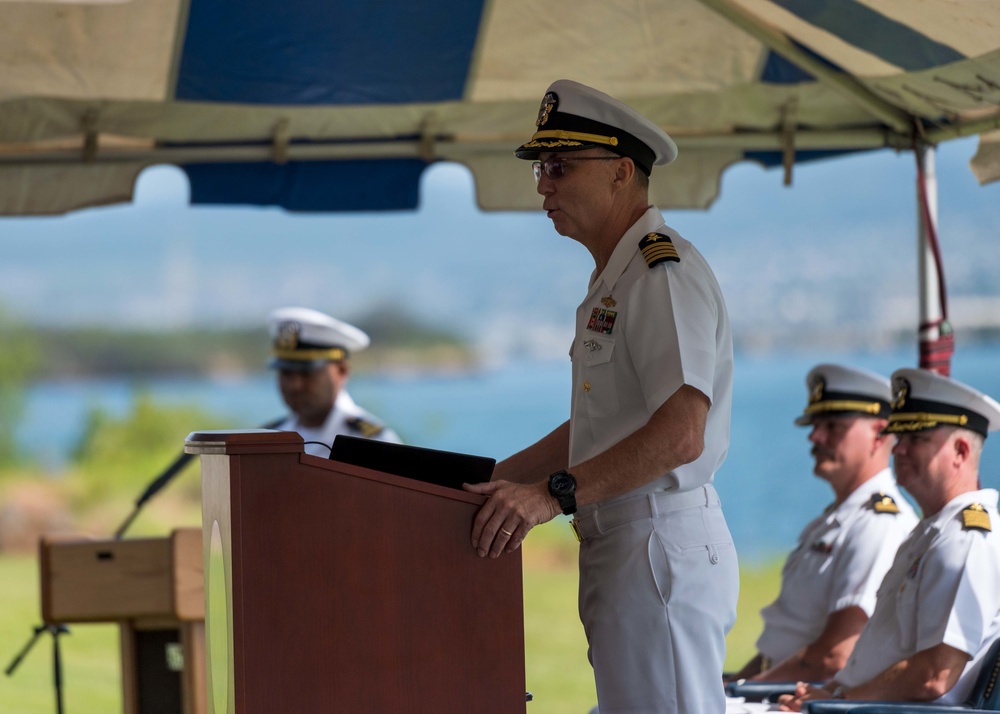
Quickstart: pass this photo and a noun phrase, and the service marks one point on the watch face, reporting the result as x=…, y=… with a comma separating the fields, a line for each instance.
x=562, y=484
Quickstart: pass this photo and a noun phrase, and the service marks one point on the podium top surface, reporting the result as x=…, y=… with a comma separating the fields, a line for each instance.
x=243, y=441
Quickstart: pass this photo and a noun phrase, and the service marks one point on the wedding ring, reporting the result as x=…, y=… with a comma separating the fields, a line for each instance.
x=506, y=532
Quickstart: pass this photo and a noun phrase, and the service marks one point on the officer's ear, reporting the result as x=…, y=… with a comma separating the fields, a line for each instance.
x=339, y=372
x=624, y=171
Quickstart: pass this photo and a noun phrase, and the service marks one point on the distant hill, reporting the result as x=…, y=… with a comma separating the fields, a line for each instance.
x=97, y=351
x=832, y=258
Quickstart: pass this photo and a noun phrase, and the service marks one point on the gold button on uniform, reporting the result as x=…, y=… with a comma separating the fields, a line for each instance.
x=586, y=386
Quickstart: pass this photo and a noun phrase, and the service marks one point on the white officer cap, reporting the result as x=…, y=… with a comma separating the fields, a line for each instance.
x=926, y=400
x=835, y=389
x=574, y=117
x=307, y=339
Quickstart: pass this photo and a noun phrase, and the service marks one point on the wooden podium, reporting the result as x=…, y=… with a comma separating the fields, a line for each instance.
x=152, y=587
x=334, y=588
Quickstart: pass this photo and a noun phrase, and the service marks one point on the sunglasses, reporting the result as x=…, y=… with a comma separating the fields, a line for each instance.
x=555, y=167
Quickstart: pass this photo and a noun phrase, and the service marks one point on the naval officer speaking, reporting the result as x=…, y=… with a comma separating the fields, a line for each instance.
x=649, y=420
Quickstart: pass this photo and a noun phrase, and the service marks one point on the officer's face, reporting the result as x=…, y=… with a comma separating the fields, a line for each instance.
x=842, y=445
x=920, y=457
x=580, y=200
x=311, y=393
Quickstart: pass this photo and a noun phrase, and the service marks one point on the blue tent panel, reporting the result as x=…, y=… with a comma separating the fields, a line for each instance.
x=373, y=185
x=333, y=52
x=874, y=32
x=774, y=158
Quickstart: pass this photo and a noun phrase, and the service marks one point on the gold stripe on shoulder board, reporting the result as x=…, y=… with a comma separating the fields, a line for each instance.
x=657, y=248
x=881, y=503
x=975, y=517
x=367, y=428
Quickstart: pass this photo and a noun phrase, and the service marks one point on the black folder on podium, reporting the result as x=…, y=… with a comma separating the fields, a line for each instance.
x=445, y=468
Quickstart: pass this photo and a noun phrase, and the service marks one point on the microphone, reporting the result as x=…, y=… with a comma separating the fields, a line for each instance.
x=163, y=479
x=152, y=489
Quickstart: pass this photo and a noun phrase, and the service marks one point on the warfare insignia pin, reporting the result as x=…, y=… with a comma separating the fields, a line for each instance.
x=608, y=301
x=602, y=320
x=549, y=102
x=657, y=248
x=882, y=503
x=975, y=517
x=592, y=345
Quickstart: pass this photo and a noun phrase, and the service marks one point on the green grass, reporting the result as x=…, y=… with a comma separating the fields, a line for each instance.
x=91, y=678
x=557, y=671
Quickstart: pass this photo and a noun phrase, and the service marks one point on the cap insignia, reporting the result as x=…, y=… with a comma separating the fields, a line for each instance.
x=881, y=503
x=549, y=102
x=288, y=335
x=657, y=248
x=366, y=428
x=975, y=517
x=899, y=398
x=816, y=393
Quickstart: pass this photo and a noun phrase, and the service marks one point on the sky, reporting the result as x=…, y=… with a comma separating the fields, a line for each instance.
x=836, y=251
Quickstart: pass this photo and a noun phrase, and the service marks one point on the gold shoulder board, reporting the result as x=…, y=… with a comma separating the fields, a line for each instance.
x=657, y=248
x=975, y=517
x=367, y=428
x=883, y=504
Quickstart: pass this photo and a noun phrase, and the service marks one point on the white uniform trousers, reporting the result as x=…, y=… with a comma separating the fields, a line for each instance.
x=657, y=597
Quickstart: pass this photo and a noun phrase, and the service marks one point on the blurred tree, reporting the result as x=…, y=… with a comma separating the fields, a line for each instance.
x=19, y=358
x=117, y=458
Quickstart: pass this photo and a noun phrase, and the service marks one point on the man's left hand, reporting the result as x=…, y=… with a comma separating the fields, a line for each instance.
x=510, y=511
x=804, y=692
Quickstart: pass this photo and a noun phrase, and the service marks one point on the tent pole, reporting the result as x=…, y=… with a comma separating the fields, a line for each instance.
x=935, y=337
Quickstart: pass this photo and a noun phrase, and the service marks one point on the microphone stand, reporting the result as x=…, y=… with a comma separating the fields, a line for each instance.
x=55, y=631
x=152, y=489
x=163, y=479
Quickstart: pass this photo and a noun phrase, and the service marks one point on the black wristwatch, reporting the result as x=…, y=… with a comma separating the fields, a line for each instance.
x=562, y=487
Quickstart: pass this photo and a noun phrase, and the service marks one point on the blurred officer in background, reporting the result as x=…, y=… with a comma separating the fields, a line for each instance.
x=938, y=610
x=829, y=581
x=312, y=356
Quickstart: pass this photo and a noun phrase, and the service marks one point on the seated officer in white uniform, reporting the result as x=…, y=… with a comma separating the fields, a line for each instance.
x=311, y=354
x=829, y=581
x=938, y=609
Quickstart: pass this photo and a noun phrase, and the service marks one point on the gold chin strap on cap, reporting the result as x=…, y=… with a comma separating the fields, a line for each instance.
x=577, y=135
x=335, y=354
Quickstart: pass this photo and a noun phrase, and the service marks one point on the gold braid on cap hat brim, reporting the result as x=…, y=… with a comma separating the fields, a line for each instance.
x=844, y=405
x=567, y=138
x=915, y=421
x=335, y=354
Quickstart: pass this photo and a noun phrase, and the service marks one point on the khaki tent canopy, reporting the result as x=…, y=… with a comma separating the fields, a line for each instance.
x=341, y=105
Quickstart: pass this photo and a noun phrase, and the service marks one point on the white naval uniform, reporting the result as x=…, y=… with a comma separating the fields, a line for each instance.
x=657, y=592
x=344, y=409
x=943, y=587
x=839, y=562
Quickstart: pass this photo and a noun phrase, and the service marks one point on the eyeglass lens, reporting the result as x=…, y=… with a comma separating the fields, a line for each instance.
x=555, y=167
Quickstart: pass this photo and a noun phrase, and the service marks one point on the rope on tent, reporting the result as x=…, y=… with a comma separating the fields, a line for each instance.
x=935, y=352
